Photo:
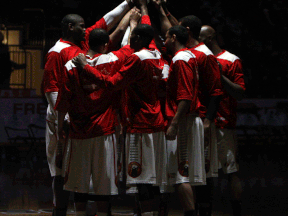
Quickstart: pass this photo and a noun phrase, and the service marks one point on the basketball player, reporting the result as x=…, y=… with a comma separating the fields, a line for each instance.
x=93, y=116
x=210, y=89
x=234, y=87
x=72, y=42
x=184, y=121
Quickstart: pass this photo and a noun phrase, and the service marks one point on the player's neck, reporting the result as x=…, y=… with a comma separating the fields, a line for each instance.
x=192, y=42
x=71, y=40
x=91, y=53
x=214, y=47
x=178, y=47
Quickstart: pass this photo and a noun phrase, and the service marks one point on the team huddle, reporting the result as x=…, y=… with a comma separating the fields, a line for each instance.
x=156, y=114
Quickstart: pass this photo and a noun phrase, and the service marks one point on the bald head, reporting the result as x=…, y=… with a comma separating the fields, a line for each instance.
x=207, y=35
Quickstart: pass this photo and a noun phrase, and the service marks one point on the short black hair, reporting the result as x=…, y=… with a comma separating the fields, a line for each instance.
x=146, y=33
x=194, y=24
x=180, y=32
x=98, y=37
x=69, y=18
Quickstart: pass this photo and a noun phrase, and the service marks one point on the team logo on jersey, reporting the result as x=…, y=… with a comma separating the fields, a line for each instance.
x=184, y=168
x=134, y=169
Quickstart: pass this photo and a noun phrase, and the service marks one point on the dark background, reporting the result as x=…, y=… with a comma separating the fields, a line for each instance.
x=242, y=27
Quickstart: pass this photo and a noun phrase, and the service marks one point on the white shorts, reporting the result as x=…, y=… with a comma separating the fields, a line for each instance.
x=94, y=159
x=186, y=162
x=211, y=154
x=146, y=158
x=227, y=150
x=51, y=146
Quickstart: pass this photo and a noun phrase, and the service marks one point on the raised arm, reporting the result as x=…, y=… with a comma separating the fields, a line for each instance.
x=164, y=21
x=134, y=19
x=171, y=18
x=118, y=33
x=114, y=16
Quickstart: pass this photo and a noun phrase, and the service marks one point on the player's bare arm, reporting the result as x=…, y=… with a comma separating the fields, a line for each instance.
x=235, y=90
x=182, y=109
x=165, y=23
x=142, y=4
x=134, y=20
x=116, y=35
x=114, y=16
x=171, y=18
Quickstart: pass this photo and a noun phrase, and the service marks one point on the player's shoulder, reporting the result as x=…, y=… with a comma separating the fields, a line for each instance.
x=203, y=49
x=59, y=46
x=145, y=54
x=70, y=65
x=184, y=55
x=225, y=55
x=104, y=59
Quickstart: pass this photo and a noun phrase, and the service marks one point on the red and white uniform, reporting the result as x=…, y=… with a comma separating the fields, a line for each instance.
x=209, y=86
x=226, y=116
x=186, y=153
x=182, y=83
x=209, y=76
x=93, y=120
x=56, y=58
x=232, y=69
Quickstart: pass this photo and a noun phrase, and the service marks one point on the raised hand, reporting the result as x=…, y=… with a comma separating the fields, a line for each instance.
x=135, y=15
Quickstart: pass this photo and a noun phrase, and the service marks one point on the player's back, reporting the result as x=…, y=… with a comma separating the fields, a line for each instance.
x=141, y=104
x=232, y=69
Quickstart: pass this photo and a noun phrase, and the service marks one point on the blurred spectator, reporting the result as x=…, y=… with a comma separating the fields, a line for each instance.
x=7, y=66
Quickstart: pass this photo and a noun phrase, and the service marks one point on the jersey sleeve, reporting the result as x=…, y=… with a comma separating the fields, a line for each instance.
x=51, y=73
x=236, y=71
x=99, y=24
x=146, y=20
x=183, y=80
x=211, y=78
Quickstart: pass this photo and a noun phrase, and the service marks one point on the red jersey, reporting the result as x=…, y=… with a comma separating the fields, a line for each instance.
x=92, y=112
x=61, y=53
x=232, y=69
x=57, y=57
x=139, y=79
x=182, y=83
x=209, y=76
